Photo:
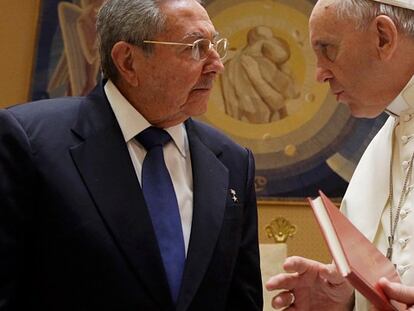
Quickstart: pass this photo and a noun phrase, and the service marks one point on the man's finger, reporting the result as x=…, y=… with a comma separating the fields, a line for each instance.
x=282, y=281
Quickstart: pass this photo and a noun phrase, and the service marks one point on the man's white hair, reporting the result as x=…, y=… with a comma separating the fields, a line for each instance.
x=364, y=11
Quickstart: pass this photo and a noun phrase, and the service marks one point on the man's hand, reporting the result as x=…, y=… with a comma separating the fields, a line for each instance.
x=398, y=292
x=310, y=286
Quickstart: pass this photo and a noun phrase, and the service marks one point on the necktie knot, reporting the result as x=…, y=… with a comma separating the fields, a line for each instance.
x=153, y=136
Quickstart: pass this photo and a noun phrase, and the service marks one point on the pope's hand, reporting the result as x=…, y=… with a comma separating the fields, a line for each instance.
x=398, y=292
x=309, y=285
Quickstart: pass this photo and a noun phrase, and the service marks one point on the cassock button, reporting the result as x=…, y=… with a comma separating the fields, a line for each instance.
x=405, y=164
x=403, y=242
x=404, y=213
x=404, y=139
x=403, y=269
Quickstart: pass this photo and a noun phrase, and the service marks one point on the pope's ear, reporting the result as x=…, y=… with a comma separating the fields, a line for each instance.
x=387, y=34
x=123, y=56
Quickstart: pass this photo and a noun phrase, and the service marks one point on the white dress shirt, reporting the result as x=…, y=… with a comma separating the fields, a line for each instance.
x=176, y=153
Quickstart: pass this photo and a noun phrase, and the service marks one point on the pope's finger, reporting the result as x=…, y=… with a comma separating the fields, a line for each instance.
x=331, y=274
x=397, y=291
x=301, y=265
x=282, y=281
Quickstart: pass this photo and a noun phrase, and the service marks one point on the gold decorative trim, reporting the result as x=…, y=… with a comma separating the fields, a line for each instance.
x=290, y=203
x=280, y=229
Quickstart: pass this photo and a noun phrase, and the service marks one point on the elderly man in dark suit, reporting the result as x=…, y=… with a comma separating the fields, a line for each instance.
x=119, y=200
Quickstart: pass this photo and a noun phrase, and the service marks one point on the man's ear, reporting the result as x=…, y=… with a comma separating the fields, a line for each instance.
x=387, y=36
x=123, y=55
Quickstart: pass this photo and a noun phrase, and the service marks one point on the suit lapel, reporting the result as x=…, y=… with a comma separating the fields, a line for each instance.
x=210, y=180
x=104, y=163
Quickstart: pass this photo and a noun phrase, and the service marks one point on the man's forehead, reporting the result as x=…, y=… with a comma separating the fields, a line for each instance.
x=326, y=2
x=321, y=8
x=325, y=27
x=188, y=18
x=323, y=12
x=184, y=9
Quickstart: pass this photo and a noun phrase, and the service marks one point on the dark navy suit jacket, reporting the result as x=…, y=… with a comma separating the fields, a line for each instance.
x=75, y=233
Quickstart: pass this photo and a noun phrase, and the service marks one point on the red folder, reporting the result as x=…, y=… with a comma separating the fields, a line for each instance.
x=356, y=258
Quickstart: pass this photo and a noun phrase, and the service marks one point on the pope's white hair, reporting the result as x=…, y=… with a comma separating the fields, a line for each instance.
x=364, y=11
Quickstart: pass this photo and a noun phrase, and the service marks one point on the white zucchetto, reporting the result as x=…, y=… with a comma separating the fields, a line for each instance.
x=407, y=4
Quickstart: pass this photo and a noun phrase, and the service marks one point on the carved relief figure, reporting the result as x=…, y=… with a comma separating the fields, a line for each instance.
x=257, y=81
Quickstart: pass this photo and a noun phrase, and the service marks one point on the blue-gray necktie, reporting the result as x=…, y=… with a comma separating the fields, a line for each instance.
x=162, y=204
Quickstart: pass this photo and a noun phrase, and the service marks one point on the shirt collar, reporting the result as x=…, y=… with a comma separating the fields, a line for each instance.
x=404, y=100
x=132, y=122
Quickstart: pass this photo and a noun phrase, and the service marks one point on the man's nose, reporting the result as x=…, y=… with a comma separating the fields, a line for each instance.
x=323, y=74
x=220, y=66
x=214, y=62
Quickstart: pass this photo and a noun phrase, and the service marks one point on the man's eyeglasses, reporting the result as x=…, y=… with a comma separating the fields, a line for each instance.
x=201, y=48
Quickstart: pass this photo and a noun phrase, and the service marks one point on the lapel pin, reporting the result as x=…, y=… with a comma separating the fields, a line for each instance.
x=233, y=195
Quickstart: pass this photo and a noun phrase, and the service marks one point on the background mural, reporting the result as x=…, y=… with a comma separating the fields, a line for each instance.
x=267, y=99
x=67, y=56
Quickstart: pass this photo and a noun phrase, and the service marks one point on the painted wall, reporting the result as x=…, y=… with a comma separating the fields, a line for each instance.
x=18, y=24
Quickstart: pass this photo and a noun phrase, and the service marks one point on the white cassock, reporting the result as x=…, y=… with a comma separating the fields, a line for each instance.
x=365, y=201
